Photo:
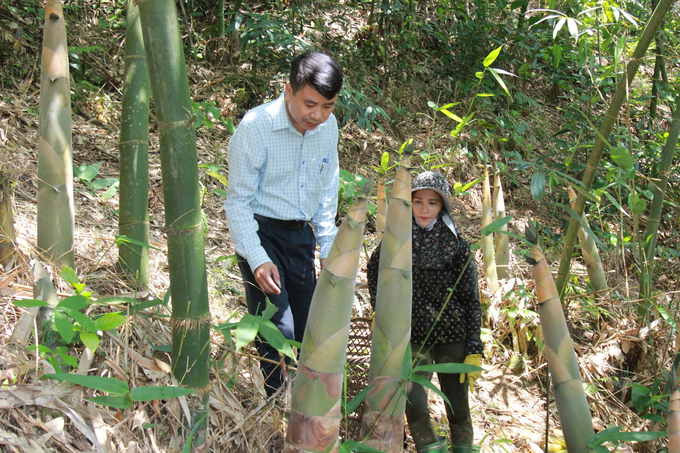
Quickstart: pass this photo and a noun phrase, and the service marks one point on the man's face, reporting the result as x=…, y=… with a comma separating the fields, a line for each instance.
x=307, y=108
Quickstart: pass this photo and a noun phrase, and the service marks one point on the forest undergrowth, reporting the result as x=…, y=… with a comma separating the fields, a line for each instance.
x=623, y=362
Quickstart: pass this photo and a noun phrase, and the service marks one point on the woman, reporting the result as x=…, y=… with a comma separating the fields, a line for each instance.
x=445, y=316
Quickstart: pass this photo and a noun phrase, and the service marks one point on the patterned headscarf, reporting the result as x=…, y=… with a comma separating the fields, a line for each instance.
x=438, y=183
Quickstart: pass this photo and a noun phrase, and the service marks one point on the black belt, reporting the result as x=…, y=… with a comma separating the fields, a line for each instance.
x=292, y=225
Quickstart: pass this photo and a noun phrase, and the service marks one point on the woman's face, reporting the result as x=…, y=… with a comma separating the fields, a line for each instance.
x=426, y=206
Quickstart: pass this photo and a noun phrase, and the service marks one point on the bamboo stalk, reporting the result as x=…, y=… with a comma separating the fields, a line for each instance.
x=55, y=151
x=315, y=414
x=654, y=217
x=183, y=220
x=570, y=398
x=607, y=125
x=383, y=421
x=381, y=211
x=133, y=217
x=502, y=241
x=591, y=257
x=674, y=403
x=487, y=241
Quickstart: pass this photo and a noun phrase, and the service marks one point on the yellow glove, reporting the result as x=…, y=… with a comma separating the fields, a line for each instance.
x=476, y=360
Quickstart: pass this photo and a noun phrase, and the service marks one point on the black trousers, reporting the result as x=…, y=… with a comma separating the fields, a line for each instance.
x=417, y=410
x=293, y=254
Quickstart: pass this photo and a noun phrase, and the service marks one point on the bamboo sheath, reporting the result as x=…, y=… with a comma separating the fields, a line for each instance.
x=55, y=150
x=383, y=420
x=487, y=241
x=502, y=241
x=591, y=257
x=315, y=413
x=570, y=398
x=381, y=211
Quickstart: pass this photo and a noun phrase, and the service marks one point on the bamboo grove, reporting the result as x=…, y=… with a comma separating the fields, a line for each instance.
x=154, y=61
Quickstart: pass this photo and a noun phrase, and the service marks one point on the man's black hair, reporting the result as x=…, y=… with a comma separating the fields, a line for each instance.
x=317, y=69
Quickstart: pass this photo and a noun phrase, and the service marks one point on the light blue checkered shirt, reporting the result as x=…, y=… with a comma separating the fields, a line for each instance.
x=276, y=172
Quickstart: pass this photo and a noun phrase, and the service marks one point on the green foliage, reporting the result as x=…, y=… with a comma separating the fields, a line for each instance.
x=353, y=104
x=121, y=396
x=86, y=174
x=207, y=114
x=349, y=190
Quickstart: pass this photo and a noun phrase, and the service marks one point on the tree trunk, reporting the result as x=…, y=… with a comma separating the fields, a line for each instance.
x=184, y=226
x=55, y=158
x=133, y=217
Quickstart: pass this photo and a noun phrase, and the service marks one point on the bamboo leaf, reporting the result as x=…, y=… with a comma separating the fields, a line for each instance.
x=27, y=303
x=538, y=186
x=425, y=382
x=356, y=401
x=385, y=161
x=666, y=316
x=104, y=384
x=558, y=26
x=275, y=338
x=149, y=393
x=453, y=116
x=247, y=330
x=622, y=158
x=496, y=226
x=492, y=56
x=117, y=402
x=499, y=80
x=572, y=24
x=583, y=223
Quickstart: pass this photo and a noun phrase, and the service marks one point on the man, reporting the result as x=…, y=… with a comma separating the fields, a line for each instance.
x=283, y=176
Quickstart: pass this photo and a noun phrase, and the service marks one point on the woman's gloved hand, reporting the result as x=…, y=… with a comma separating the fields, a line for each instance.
x=476, y=360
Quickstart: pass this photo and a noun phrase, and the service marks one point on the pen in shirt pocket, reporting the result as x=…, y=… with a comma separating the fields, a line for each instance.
x=323, y=162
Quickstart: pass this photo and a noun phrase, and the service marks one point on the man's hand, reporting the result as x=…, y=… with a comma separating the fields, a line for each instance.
x=322, y=263
x=267, y=276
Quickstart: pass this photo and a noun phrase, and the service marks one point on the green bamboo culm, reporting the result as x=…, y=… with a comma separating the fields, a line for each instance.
x=654, y=218
x=382, y=426
x=183, y=224
x=610, y=117
x=315, y=414
x=133, y=217
x=572, y=406
x=55, y=150
x=674, y=403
